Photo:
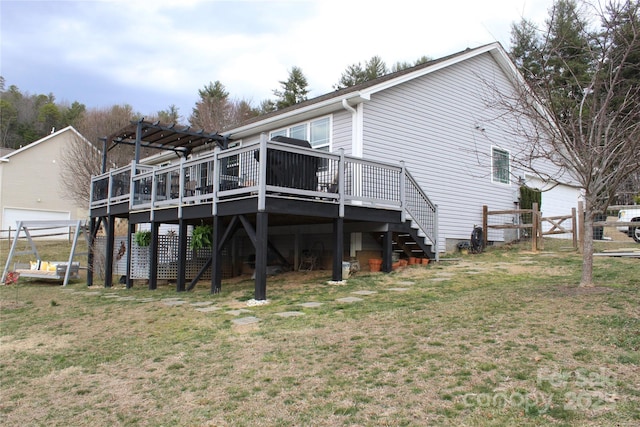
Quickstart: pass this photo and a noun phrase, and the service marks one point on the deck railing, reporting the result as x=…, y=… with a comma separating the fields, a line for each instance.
x=268, y=169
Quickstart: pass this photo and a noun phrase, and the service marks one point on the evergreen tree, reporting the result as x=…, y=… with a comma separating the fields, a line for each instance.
x=294, y=89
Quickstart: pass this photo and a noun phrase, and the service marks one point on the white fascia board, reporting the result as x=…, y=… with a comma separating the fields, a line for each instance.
x=46, y=138
x=428, y=70
x=296, y=115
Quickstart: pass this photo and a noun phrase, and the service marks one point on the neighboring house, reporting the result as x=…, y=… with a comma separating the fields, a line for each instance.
x=30, y=182
x=432, y=119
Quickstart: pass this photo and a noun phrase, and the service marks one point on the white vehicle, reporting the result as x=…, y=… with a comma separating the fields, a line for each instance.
x=630, y=215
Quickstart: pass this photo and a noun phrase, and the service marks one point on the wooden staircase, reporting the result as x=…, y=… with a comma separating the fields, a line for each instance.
x=408, y=241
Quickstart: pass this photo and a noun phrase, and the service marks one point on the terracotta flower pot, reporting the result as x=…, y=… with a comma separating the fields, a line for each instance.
x=403, y=262
x=425, y=261
x=413, y=260
x=375, y=264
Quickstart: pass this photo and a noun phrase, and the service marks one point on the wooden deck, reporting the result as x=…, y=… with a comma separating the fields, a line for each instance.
x=291, y=186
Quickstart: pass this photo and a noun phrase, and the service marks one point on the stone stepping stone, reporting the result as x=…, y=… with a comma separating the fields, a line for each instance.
x=238, y=312
x=290, y=314
x=201, y=303
x=146, y=299
x=171, y=299
x=440, y=279
x=127, y=299
x=208, y=309
x=245, y=320
x=90, y=293
x=405, y=283
x=349, y=299
x=111, y=296
x=173, y=303
x=311, y=304
x=364, y=292
x=399, y=289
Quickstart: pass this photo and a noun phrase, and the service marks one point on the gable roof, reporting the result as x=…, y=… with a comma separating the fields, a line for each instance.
x=334, y=101
x=42, y=140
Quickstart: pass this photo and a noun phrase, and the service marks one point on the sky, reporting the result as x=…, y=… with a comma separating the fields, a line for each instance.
x=156, y=53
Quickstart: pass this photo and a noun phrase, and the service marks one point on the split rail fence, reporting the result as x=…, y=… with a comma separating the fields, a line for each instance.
x=517, y=224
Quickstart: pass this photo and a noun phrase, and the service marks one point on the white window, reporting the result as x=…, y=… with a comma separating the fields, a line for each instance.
x=317, y=132
x=500, y=166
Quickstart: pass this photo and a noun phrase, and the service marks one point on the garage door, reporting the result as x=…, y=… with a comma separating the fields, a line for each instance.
x=10, y=217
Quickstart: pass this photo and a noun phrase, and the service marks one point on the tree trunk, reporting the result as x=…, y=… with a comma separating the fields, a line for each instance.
x=587, y=249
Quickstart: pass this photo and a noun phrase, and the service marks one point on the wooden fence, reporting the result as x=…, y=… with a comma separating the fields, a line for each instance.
x=530, y=222
x=533, y=226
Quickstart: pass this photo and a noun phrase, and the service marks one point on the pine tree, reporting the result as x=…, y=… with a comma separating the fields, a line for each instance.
x=294, y=89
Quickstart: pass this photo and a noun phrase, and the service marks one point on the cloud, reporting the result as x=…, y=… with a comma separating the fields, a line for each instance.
x=145, y=52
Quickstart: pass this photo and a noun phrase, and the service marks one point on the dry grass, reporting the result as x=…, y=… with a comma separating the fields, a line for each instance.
x=501, y=338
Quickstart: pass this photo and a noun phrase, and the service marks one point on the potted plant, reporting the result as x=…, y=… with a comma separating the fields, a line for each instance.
x=142, y=238
x=202, y=237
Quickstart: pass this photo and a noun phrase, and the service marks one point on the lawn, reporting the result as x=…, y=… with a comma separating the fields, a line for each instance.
x=501, y=338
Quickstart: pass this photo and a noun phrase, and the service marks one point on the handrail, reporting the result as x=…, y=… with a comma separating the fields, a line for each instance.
x=421, y=209
x=289, y=171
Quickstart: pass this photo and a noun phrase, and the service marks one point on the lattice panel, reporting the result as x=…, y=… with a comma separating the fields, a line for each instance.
x=167, y=259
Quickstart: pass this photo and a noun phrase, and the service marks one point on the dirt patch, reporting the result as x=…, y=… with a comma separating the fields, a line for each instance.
x=35, y=343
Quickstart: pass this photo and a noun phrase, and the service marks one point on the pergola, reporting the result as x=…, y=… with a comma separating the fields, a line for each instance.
x=179, y=139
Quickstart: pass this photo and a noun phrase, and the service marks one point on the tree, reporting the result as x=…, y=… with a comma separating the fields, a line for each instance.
x=356, y=74
x=580, y=108
x=215, y=111
x=170, y=115
x=399, y=66
x=375, y=67
x=294, y=89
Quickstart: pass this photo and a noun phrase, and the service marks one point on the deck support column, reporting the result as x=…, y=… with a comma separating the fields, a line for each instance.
x=93, y=225
x=182, y=255
x=130, y=232
x=216, y=255
x=338, y=248
x=387, y=251
x=153, y=256
x=262, y=235
x=108, y=262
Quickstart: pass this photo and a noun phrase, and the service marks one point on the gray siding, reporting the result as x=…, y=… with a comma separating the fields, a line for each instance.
x=430, y=123
x=341, y=137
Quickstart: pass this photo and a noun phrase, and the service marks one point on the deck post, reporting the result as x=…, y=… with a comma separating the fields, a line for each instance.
x=338, y=248
x=262, y=174
x=131, y=229
x=216, y=255
x=341, y=184
x=153, y=256
x=403, y=196
x=93, y=224
x=262, y=228
x=182, y=255
x=387, y=251
x=108, y=261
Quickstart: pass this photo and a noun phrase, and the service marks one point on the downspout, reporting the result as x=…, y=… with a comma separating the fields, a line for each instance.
x=356, y=141
x=355, y=243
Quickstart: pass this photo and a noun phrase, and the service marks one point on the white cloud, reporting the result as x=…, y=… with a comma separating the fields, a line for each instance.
x=175, y=48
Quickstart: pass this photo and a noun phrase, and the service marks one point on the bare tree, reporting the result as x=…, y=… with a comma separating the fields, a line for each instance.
x=80, y=162
x=83, y=158
x=580, y=110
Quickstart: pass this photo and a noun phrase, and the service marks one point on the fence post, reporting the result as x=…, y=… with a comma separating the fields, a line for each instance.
x=580, y=223
x=485, y=223
x=575, y=228
x=534, y=228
